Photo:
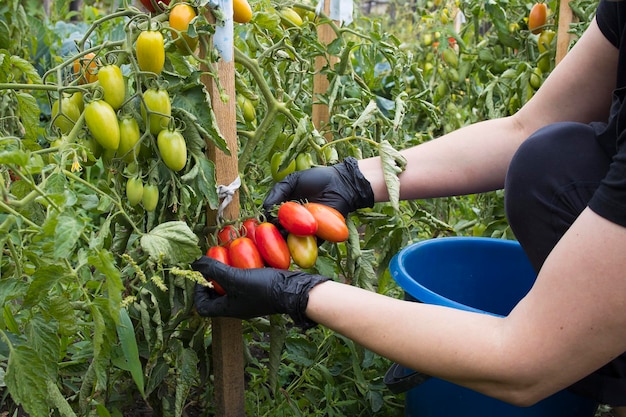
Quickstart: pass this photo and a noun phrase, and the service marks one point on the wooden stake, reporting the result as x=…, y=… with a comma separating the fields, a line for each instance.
x=326, y=35
x=563, y=37
x=227, y=333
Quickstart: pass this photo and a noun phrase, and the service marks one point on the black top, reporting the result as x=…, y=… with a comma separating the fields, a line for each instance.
x=609, y=201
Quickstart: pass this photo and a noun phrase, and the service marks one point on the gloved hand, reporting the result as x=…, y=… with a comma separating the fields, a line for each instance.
x=254, y=292
x=341, y=186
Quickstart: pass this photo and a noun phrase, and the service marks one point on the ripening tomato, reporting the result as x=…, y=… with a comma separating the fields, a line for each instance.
x=150, y=7
x=113, y=85
x=86, y=68
x=219, y=253
x=248, y=228
x=150, y=197
x=159, y=107
x=331, y=225
x=537, y=17
x=296, y=219
x=69, y=114
x=272, y=246
x=180, y=17
x=226, y=235
x=304, y=160
x=129, y=139
x=172, y=148
x=242, y=12
x=150, y=50
x=102, y=123
x=244, y=253
x=303, y=250
x=134, y=190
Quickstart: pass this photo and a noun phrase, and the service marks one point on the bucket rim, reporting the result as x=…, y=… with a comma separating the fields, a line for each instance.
x=400, y=274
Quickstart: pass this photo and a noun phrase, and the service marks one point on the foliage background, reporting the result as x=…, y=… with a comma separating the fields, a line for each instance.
x=97, y=316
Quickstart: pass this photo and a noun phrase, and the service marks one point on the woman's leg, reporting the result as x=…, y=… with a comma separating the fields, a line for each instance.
x=550, y=180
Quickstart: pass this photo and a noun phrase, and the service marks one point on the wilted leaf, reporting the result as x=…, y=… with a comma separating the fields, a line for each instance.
x=173, y=241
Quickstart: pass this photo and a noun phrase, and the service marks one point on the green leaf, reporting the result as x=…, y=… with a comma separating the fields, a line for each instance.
x=172, y=241
x=126, y=334
x=393, y=164
x=187, y=372
x=29, y=114
x=43, y=279
x=26, y=379
x=67, y=233
x=103, y=261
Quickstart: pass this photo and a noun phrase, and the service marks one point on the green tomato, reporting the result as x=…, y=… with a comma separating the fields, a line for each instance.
x=275, y=164
x=113, y=85
x=159, y=109
x=150, y=197
x=69, y=114
x=129, y=137
x=303, y=161
x=303, y=250
x=102, y=123
x=134, y=190
x=173, y=149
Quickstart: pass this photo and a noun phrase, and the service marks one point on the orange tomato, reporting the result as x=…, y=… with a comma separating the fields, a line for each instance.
x=86, y=68
x=242, y=12
x=537, y=18
x=180, y=17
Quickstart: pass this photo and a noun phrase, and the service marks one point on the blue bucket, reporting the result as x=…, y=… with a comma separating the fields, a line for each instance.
x=483, y=275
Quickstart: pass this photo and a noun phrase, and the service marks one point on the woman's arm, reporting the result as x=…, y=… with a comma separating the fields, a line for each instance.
x=475, y=158
x=571, y=323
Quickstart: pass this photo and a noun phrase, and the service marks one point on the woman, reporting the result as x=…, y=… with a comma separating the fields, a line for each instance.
x=562, y=162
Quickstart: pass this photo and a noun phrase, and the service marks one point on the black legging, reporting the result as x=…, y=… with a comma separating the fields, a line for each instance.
x=550, y=180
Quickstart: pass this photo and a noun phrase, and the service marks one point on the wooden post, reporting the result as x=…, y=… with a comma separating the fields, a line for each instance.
x=326, y=35
x=228, y=365
x=563, y=36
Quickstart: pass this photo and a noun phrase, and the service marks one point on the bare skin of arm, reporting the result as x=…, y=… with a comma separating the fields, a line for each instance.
x=475, y=158
x=572, y=321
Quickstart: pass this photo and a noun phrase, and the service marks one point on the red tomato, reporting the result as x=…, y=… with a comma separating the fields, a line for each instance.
x=226, y=235
x=219, y=253
x=244, y=254
x=296, y=219
x=272, y=246
x=303, y=250
x=248, y=228
x=150, y=7
x=331, y=225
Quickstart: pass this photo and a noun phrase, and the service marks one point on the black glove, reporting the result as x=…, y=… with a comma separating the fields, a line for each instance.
x=341, y=186
x=254, y=292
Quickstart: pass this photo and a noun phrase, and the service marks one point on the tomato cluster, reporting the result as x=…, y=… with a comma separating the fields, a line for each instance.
x=258, y=244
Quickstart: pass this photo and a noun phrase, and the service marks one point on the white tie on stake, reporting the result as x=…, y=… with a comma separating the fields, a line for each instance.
x=223, y=38
x=340, y=10
x=226, y=193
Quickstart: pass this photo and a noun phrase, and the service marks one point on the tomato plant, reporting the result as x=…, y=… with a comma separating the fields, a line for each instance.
x=272, y=246
x=245, y=254
x=150, y=50
x=296, y=219
x=65, y=113
x=331, y=225
x=219, y=253
x=103, y=124
x=86, y=68
x=303, y=250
